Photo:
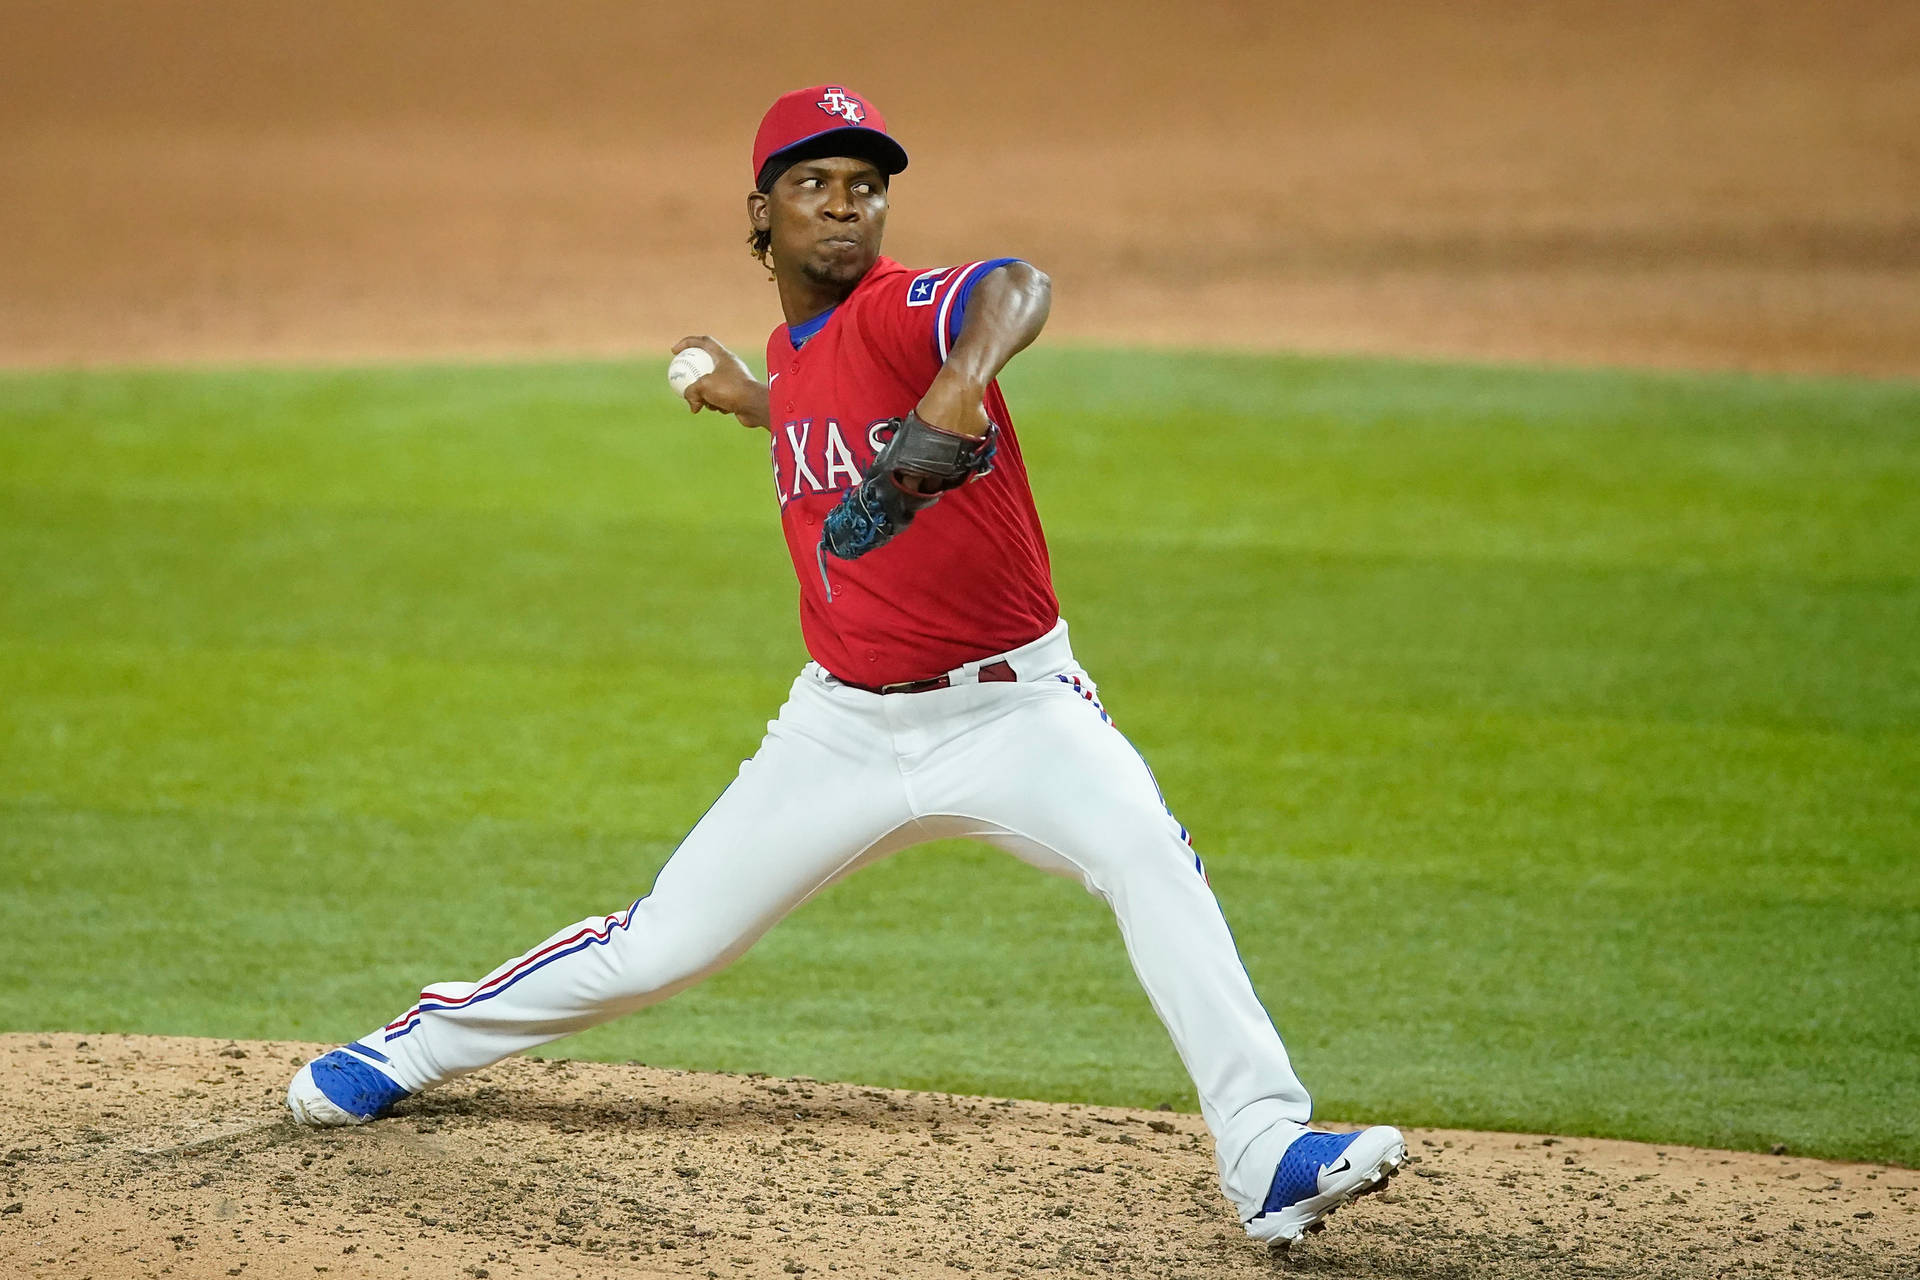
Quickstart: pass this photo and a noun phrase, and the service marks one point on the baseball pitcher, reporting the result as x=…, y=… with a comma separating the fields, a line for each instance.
x=942, y=700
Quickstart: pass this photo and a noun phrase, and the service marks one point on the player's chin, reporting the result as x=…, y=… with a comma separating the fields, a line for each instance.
x=843, y=267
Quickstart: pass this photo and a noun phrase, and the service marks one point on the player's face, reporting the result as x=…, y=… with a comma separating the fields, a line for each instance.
x=827, y=217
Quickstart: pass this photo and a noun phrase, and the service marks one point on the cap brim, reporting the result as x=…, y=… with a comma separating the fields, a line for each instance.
x=848, y=140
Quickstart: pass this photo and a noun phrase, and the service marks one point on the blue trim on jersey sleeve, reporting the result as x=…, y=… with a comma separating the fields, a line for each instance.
x=957, y=315
x=799, y=333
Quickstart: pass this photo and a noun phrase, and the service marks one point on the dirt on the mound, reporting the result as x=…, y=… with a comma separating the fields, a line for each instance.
x=1674, y=182
x=138, y=1156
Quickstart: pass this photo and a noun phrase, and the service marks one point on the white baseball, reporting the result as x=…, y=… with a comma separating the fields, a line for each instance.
x=689, y=366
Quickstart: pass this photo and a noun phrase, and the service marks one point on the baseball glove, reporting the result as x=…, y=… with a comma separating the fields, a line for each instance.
x=876, y=510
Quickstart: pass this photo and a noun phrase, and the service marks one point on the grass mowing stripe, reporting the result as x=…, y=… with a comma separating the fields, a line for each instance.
x=1671, y=469
x=1491, y=632
x=1548, y=735
x=622, y=748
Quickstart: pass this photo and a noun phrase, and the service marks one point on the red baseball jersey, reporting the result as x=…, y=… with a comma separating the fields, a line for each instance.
x=969, y=578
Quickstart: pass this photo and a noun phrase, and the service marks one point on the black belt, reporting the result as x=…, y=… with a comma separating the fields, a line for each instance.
x=1000, y=672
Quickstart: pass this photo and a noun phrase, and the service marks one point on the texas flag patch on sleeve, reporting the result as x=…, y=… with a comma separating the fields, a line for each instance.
x=925, y=285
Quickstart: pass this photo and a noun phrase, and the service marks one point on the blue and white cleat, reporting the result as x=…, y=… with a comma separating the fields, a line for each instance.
x=1318, y=1173
x=351, y=1085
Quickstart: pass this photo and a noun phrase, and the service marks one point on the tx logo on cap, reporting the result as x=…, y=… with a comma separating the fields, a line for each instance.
x=839, y=102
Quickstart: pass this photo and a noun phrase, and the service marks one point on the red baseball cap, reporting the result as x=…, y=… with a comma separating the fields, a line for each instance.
x=828, y=119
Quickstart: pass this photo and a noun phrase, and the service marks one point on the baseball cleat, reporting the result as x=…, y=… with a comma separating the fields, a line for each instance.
x=348, y=1086
x=1318, y=1173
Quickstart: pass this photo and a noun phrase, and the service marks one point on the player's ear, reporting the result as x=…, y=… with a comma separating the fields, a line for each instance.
x=758, y=212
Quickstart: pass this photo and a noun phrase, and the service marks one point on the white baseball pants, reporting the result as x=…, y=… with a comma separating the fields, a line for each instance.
x=845, y=777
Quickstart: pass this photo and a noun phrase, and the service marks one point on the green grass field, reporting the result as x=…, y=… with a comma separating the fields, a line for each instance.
x=1553, y=739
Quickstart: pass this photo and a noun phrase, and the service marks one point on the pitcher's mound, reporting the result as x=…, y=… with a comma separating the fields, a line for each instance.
x=148, y=1156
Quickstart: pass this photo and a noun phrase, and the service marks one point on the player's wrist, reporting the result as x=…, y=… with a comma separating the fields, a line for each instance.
x=954, y=403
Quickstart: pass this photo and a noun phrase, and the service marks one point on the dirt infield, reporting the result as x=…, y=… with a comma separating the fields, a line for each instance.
x=1674, y=182
x=132, y=1156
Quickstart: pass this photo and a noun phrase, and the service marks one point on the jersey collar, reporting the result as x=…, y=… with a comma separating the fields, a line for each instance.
x=799, y=333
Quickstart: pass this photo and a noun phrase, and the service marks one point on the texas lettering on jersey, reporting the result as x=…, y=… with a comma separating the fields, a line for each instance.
x=822, y=457
x=971, y=577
